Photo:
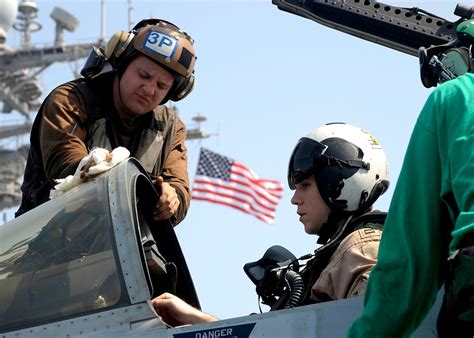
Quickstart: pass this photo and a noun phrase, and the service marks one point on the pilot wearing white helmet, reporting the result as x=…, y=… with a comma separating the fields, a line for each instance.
x=338, y=171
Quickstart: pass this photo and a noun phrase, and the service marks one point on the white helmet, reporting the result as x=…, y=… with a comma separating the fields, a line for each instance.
x=348, y=164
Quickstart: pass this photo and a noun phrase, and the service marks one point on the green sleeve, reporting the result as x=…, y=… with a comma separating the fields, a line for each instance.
x=403, y=285
x=461, y=174
x=434, y=195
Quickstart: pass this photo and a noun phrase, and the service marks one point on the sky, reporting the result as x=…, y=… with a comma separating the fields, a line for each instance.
x=264, y=78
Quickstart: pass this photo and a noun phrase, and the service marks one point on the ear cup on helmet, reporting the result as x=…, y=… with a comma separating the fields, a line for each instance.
x=183, y=87
x=116, y=45
x=428, y=77
x=457, y=60
x=379, y=188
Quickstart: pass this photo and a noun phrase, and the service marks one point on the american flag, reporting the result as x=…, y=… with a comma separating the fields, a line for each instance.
x=222, y=180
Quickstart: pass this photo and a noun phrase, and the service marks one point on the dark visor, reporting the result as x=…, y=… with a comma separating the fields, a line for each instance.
x=302, y=160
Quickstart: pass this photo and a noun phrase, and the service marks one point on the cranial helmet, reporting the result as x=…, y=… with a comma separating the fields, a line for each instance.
x=162, y=42
x=348, y=164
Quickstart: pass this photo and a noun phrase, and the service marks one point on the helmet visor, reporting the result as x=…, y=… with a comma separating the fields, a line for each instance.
x=303, y=160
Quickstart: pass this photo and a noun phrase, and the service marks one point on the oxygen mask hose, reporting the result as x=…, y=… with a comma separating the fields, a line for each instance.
x=295, y=285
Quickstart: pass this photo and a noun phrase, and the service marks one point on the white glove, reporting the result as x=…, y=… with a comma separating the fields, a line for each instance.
x=96, y=162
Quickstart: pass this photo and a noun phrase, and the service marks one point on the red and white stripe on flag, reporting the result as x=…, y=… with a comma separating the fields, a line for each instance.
x=221, y=180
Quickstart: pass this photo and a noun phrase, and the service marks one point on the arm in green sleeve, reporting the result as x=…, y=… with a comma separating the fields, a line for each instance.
x=403, y=285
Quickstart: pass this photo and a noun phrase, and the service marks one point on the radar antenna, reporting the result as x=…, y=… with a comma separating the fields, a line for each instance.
x=27, y=13
x=197, y=132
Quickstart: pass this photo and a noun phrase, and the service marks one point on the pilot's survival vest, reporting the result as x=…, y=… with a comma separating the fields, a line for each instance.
x=320, y=261
x=147, y=147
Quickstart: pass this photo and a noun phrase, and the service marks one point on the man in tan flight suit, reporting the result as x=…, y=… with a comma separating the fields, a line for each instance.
x=337, y=171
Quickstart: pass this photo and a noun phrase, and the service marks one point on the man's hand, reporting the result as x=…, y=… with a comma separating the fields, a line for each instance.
x=85, y=168
x=175, y=311
x=168, y=203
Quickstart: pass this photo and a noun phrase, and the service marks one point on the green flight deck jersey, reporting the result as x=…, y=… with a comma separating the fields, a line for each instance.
x=431, y=210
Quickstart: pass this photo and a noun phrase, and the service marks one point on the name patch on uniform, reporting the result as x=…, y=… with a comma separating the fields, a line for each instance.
x=161, y=44
x=239, y=331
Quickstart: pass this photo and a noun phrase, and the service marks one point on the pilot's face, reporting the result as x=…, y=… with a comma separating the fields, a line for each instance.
x=142, y=87
x=312, y=209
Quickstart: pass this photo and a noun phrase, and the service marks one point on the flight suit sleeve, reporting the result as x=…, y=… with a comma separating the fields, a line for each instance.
x=348, y=270
x=175, y=171
x=62, y=135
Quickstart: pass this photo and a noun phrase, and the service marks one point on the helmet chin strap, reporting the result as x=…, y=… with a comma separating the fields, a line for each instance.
x=329, y=228
x=337, y=235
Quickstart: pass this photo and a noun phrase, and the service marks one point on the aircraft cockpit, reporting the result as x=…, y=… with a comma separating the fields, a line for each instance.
x=94, y=254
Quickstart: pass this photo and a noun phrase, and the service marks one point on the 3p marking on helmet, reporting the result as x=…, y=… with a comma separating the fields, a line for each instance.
x=161, y=44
